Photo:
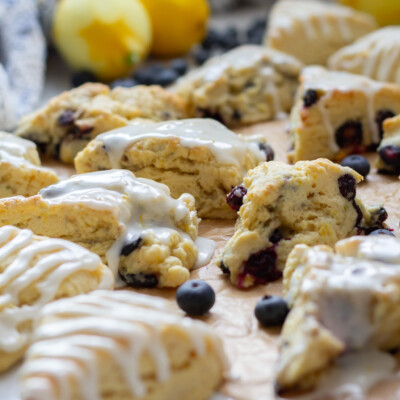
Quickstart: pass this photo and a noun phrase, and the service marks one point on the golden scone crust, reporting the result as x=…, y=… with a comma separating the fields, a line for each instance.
x=141, y=347
x=69, y=121
x=133, y=224
x=312, y=30
x=338, y=113
x=20, y=170
x=342, y=301
x=246, y=85
x=35, y=270
x=196, y=156
x=311, y=202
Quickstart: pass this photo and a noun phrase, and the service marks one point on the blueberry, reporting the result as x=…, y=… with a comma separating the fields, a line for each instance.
x=144, y=76
x=349, y=134
x=130, y=246
x=390, y=155
x=66, y=118
x=255, y=32
x=276, y=236
x=166, y=77
x=381, y=115
x=382, y=232
x=127, y=83
x=310, y=97
x=235, y=197
x=262, y=266
x=347, y=186
x=359, y=163
x=212, y=40
x=81, y=77
x=201, y=55
x=225, y=270
x=271, y=311
x=229, y=39
x=179, y=65
x=139, y=280
x=267, y=149
x=195, y=297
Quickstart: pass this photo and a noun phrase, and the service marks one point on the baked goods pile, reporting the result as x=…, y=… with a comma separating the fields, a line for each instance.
x=149, y=162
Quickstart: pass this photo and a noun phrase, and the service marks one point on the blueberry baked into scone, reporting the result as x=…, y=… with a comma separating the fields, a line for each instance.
x=197, y=156
x=338, y=113
x=35, y=270
x=388, y=161
x=246, y=85
x=144, y=235
x=376, y=55
x=312, y=30
x=281, y=205
x=69, y=121
x=343, y=303
x=121, y=345
x=20, y=169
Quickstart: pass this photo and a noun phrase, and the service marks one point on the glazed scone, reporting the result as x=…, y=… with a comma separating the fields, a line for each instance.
x=376, y=55
x=121, y=346
x=311, y=202
x=35, y=270
x=312, y=30
x=246, y=85
x=20, y=170
x=69, y=121
x=338, y=113
x=343, y=302
x=143, y=234
x=196, y=156
x=388, y=161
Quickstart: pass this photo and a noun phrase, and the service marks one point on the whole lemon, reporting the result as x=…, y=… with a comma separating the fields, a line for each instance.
x=386, y=12
x=105, y=37
x=177, y=25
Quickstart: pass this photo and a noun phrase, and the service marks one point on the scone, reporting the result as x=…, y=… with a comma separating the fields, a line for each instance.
x=142, y=233
x=343, y=302
x=311, y=202
x=35, y=270
x=376, y=55
x=388, y=161
x=312, y=30
x=69, y=121
x=246, y=85
x=121, y=346
x=196, y=156
x=20, y=170
x=337, y=113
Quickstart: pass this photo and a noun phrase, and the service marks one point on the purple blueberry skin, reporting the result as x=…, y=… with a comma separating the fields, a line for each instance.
x=381, y=115
x=235, y=197
x=359, y=163
x=195, y=297
x=310, y=97
x=391, y=156
x=271, y=311
x=347, y=186
x=349, y=134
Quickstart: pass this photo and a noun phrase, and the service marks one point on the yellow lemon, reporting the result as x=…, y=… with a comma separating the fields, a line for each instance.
x=386, y=12
x=177, y=24
x=102, y=36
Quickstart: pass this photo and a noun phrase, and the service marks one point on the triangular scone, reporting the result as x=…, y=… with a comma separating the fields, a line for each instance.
x=20, y=170
x=338, y=113
x=313, y=30
x=134, y=224
x=376, y=55
x=246, y=85
x=69, y=121
x=121, y=345
x=389, y=149
x=311, y=202
x=35, y=270
x=197, y=156
x=343, y=301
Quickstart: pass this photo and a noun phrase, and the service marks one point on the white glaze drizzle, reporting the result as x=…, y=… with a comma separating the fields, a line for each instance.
x=142, y=206
x=56, y=259
x=122, y=324
x=225, y=145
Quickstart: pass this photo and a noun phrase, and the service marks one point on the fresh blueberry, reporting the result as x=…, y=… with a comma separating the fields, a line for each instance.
x=195, y=297
x=359, y=163
x=382, y=232
x=212, y=40
x=179, y=65
x=381, y=115
x=201, y=55
x=390, y=155
x=81, y=77
x=310, y=97
x=229, y=39
x=255, y=32
x=235, y=197
x=347, y=186
x=139, y=280
x=166, y=77
x=349, y=134
x=144, y=76
x=127, y=83
x=271, y=311
x=267, y=149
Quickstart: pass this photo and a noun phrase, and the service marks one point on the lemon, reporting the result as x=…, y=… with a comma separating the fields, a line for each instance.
x=105, y=37
x=177, y=25
x=386, y=12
